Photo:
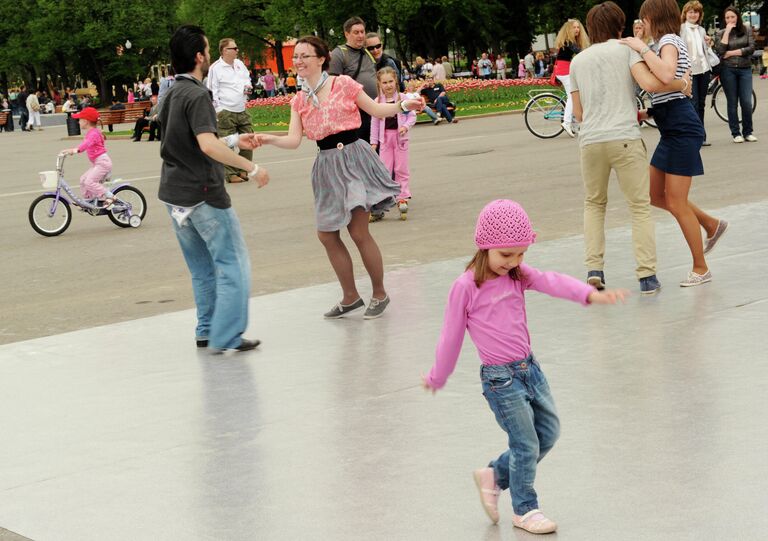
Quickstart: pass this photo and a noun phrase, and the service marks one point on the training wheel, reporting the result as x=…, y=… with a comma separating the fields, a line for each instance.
x=134, y=221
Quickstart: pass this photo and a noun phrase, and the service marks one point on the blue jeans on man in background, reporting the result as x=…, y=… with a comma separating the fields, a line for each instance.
x=218, y=260
x=441, y=104
x=737, y=84
x=519, y=396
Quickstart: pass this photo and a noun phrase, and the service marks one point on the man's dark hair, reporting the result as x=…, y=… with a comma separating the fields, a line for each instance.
x=352, y=21
x=185, y=43
x=605, y=21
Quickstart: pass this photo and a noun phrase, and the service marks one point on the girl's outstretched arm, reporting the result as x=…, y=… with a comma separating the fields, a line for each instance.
x=290, y=141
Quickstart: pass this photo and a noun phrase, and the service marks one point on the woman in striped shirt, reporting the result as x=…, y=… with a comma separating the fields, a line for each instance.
x=676, y=159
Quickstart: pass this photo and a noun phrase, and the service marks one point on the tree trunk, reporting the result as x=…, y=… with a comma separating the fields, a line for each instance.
x=278, y=48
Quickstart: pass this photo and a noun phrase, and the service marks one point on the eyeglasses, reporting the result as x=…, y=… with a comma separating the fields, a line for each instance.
x=303, y=57
x=373, y=47
x=231, y=48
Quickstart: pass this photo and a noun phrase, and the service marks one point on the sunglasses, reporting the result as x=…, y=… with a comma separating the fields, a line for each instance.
x=373, y=47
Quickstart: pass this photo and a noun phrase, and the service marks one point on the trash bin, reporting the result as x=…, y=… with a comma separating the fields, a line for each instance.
x=73, y=125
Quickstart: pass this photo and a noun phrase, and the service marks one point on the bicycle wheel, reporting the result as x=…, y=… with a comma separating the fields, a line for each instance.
x=129, y=201
x=643, y=101
x=48, y=216
x=544, y=115
x=720, y=103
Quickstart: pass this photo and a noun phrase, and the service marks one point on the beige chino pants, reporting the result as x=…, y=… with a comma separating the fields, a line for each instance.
x=629, y=159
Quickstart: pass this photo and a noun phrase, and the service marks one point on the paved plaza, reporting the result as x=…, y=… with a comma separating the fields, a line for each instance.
x=114, y=427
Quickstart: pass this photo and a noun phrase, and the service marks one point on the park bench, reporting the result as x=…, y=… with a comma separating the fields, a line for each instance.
x=131, y=113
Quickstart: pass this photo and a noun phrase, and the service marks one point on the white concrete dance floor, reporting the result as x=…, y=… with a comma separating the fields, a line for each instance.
x=125, y=432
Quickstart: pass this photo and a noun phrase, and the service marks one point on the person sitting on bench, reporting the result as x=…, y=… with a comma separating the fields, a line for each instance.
x=150, y=120
x=435, y=94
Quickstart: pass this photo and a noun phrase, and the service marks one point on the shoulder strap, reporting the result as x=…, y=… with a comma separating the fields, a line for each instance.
x=359, y=65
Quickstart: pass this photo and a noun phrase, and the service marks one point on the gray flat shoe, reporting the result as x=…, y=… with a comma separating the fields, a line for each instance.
x=376, y=308
x=341, y=310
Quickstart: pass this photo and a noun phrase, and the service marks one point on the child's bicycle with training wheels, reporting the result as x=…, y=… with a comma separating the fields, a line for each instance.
x=50, y=214
x=545, y=111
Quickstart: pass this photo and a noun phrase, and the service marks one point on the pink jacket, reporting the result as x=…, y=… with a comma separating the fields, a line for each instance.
x=377, y=124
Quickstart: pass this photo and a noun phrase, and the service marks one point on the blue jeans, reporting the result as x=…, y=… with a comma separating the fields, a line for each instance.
x=519, y=396
x=737, y=84
x=218, y=261
x=430, y=113
x=441, y=104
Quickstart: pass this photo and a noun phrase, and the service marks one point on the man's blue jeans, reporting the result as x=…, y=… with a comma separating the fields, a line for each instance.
x=737, y=84
x=519, y=396
x=441, y=104
x=218, y=260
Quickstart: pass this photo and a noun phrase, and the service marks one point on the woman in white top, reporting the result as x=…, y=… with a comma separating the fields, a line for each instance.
x=698, y=44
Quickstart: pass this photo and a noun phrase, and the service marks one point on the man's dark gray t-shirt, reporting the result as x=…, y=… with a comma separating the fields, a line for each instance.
x=188, y=176
x=344, y=61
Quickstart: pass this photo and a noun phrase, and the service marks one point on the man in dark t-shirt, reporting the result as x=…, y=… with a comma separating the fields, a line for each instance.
x=192, y=187
x=435, y=94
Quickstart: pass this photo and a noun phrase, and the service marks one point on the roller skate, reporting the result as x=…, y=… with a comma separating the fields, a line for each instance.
x=375, y=217
x=402, y=206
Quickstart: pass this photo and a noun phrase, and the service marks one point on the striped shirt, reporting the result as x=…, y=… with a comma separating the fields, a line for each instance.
x=683, y=64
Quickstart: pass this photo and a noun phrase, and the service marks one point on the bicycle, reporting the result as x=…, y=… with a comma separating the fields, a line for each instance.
x=545, y=111
x=719, y=102
x=50, y=213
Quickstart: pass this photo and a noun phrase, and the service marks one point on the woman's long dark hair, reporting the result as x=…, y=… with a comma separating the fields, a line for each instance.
x=740, y=28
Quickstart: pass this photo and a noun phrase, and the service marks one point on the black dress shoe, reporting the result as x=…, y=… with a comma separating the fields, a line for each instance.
x=245, y=345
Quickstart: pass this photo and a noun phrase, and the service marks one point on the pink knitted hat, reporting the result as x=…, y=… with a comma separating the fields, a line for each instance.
x=503, y=224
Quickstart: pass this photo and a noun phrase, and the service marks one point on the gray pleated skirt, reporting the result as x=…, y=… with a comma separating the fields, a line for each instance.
x=347, y=178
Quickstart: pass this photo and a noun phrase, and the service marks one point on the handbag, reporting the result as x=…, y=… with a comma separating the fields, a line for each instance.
x=712, y=58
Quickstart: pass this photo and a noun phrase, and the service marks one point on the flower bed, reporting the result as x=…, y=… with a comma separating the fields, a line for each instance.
x=468, y=94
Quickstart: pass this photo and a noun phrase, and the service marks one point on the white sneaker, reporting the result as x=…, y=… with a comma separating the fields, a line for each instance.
x=694, y=279
x=568, y=129
x=751, y=138
x=738, y=139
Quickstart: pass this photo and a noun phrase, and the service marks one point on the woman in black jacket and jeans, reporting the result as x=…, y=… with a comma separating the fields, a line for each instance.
x=735, y=45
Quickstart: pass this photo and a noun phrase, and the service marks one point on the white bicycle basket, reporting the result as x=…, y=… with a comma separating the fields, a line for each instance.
x=49, y=179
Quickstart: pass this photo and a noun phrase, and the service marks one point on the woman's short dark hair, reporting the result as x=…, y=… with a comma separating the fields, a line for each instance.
x=740, y=30
x=186, y=42
x=320, y=47
x=352, y=21
x=664, y=16
x=605, y=21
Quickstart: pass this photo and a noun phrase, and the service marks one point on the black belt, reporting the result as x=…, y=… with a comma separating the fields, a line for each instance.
x=341, y=138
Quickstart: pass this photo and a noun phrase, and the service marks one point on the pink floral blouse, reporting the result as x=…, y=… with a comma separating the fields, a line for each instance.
x=338, y=112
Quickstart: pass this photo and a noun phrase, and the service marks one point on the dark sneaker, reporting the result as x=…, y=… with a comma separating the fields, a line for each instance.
x=341, y=310
x=649, y=285
x=596, y=279
x=245, y=345
x=376, y=308
x=722, y=227
x=201, y=342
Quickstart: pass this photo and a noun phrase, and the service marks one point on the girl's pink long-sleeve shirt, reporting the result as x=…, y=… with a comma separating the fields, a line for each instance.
x=93, y=144
x=494, y=314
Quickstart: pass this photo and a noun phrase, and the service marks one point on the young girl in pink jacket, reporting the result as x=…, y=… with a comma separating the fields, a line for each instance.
x=390, y=136
x=488, y=300
x=91, y=183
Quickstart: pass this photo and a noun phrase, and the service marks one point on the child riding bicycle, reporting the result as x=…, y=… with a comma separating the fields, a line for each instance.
x=91, y=182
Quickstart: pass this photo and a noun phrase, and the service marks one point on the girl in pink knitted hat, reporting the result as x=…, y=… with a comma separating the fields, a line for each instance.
x=488, y=300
